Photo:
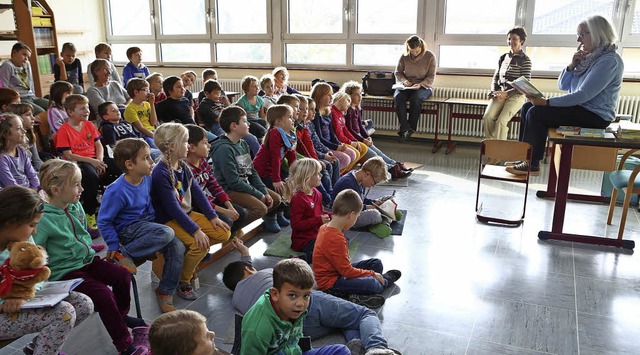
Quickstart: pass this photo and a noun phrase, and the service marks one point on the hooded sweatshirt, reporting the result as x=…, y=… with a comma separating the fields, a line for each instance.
x=233, y=167
x=63, y=233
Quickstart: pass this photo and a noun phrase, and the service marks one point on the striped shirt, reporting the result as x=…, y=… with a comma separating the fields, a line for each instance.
x=511, y=67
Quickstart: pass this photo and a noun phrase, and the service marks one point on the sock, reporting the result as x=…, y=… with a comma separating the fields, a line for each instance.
x=381, y=230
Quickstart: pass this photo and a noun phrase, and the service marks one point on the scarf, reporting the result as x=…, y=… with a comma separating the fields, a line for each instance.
x=8, y=274
x=586, y=63
x=289, y=139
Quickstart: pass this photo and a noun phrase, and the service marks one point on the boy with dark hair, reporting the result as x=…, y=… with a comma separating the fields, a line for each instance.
x=16, y=74
x=135, y=68
x=211, y=106
x=126, y=218
x=273, y=325
x=233, y=167
x=112, y=126
x=212, y=74
x=334, y=272
x=68, y=68
x=360, y=325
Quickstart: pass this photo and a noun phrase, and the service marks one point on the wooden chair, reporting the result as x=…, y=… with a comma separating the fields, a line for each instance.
x=629, y=183
x=502, y=150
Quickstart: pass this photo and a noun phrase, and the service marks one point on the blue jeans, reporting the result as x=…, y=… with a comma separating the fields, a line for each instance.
x=335, y=170
x=150, y=142
x=328, y=313
x=415, y=98
x=253, y=142
x=142, y=239
x=360, y=285
x=390, y=162
x=337, y=349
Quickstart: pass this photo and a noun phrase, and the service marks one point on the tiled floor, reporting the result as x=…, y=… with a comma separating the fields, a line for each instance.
x=467, y=288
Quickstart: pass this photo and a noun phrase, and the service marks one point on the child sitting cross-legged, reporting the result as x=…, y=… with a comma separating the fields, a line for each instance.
x=232, y=214
x=126, y=220
x=182, y=332
x=273, y=325
x=174, y=194
x=62, y=232
x=334, y=271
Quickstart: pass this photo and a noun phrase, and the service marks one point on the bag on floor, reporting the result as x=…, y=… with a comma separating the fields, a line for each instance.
x=378, y=83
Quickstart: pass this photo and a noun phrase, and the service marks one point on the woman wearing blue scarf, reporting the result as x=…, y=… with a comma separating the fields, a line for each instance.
x=592, y=79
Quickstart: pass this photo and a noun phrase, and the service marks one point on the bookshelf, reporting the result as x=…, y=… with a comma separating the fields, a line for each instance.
x=36, y=27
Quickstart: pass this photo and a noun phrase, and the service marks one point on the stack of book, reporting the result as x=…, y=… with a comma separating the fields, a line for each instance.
x=628, y=130
x=46, y=62
x=579, y=132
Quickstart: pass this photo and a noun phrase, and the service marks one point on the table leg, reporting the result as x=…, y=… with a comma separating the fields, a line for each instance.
x=451, y=145
x=437, y=144
x=564, y=171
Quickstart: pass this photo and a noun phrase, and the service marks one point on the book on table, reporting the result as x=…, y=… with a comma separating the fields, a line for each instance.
x=568, y=130
x=51, y=293
x=523, y=85
x=628, y=130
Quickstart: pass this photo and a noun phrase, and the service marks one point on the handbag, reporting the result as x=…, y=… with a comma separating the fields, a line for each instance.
x=378, y=83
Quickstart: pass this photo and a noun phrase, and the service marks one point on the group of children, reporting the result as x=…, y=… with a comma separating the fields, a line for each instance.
x=297, y=164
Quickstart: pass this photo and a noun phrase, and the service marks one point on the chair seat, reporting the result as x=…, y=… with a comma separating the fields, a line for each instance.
x=620, y=179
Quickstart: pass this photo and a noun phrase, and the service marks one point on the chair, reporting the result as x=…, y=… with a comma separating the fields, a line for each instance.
x=502, y=150
x=625, y=180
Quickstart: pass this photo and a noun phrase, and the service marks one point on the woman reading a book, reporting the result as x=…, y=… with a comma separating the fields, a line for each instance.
x=20, y=212
x=414, y=73
x=592, y=79
x=505, y=101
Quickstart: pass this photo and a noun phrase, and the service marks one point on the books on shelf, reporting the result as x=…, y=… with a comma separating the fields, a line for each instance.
x=43, y=36
x=45, y=63
x=523, y=85
x=51, y=293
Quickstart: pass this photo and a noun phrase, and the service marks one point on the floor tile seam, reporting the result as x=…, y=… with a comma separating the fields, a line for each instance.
x=512, y=346
x=529, y=303
x=391, y=322
x=575, y=292
x=547, y=272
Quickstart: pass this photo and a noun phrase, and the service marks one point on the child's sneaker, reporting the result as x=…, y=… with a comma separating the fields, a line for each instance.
x=141, y=336
x=369, y=301
x=136, y=350
x=165, y=302
x=91, y=221
x=185, y=291
x=271, y=225
x=392, y=276
x=381, y=351
x=134, y=322
x=282, y=220
x=381, y=230
x=195, y=282
x=125, y=262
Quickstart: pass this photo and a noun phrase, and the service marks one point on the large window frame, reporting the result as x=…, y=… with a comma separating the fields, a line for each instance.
x=430, y=15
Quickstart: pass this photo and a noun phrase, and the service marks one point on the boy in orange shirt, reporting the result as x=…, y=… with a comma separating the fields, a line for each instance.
x=334, y=272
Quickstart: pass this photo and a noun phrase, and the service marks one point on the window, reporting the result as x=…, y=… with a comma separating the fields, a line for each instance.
x=563, y=16
x=119, y=52
x=129, y=18
x=242, y=16
x=474, y=57
x=315, y=16
x=184, y=17
x=176, y=52
x=471, y=17
x=243, y=52
x=331, y=54
x=377, y=54
x=373, y=17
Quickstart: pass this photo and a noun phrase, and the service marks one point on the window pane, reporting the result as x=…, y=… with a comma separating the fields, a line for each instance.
x=472, y=16
x=242, y=16
x=119, y=52
x=184, y=17
x=550, y=58
x=631, y=58
x=186, y=52
x=563, y=16
x=243, y=52
x=316, y=54
x=373, y=16
x=129, y=18
x=472, y=57
x=635, y=27
x=377, y=54
x=315, y=16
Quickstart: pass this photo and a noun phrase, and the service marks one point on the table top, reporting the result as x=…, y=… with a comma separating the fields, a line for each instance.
x=592, y=141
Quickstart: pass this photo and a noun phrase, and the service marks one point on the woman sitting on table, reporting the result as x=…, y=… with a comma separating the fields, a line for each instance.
x=593, y=80
x=416, y=71
x=506, y=101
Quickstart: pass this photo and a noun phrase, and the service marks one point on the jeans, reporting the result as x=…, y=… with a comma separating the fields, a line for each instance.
x=335, y=170
x=536, y=121
x=390, y=162
x=360, y=285
x=368, y=218
x=142, y=239
x=150, y=142
x=328, y=313
x=337, y=349
x=258, y=128
x=415, y=98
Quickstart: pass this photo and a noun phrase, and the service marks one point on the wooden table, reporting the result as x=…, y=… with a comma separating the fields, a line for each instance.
x=562, y=162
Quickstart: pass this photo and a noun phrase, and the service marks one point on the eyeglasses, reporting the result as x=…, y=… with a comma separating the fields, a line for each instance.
x=582, y=34
x=373, y=179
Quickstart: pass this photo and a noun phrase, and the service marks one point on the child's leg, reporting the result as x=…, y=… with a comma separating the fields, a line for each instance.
x=255, y=208
x=356, y=153
x=335, y=170
x=253, y=142
x=360, y=285
x=142, y=239
x=364, y=152
x=112, y=168
x=216, y=235
x=336, y=349
x=111, y=304
x=242, y=218
x=257, y=129
x=389, y=161
x=150, y=142
x=90, y=181
x=368, y=218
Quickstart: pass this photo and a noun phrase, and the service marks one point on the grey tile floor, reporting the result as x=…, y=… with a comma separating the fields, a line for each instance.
x=467, y=288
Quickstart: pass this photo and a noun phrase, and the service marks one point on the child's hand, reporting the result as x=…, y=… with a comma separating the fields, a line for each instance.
x=218, y=223
x=368, y=141
x=231, y=213
x=342, y=147
x=378, y=202
x=354, y=144
x=279, y=187
x=267, y=200
x=239, y=245
x=59, y=60
x=11, y=305
x=325, y=218
x=379, y=278
x=330, y=157
x=99, y=165
x=202, y=241
x=151, y=97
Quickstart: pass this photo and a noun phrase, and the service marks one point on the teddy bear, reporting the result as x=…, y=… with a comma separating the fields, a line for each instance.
x=20, y=273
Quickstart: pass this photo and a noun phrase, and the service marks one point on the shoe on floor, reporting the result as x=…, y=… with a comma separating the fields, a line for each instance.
x=134, y=322
x=381, y=230
x=165, y=302
x=125, y=262
x=185, y=291
x=404, y=168
x=397, y=173
x=369, y=301
x=355, y=347
x=512, y=163
x=91, y=221
x=271, y=225
x=141, y=336
x=381, y=351
x=403, y=136
x=521, y=169
x=98, y=247
x=392, y=276
x=282, y=220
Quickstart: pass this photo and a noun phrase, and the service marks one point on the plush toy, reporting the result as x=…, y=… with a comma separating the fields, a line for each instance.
x=23, y=270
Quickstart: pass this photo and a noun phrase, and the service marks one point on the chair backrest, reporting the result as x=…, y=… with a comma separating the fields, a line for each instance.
x=504, y=150
x=43, y=126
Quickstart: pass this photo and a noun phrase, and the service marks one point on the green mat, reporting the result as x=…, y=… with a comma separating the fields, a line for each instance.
x=282, y=247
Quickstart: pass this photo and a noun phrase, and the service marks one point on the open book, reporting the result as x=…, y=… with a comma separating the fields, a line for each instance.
x=400, y=86
x=523, y=85
x=388, y=209
x=51, y=293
